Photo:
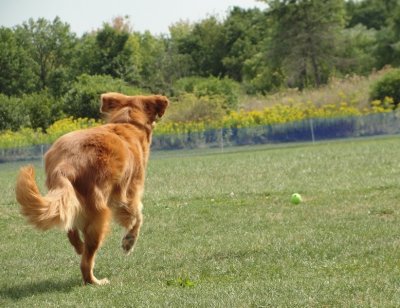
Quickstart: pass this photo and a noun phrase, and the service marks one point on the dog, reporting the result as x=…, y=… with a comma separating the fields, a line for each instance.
x=95, y=174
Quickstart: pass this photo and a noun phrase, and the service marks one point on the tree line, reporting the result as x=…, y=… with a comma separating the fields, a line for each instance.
x=292, y=43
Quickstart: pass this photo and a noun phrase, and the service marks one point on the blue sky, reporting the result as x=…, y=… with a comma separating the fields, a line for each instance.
x=86, y=15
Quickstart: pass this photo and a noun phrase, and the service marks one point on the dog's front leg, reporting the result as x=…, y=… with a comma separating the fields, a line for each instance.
x=130, y=216
x=129, y=240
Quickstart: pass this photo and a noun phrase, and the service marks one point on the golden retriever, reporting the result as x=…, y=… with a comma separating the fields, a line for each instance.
x=94, y=174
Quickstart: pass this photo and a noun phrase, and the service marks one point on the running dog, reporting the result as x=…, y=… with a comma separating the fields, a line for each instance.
x=95, y=174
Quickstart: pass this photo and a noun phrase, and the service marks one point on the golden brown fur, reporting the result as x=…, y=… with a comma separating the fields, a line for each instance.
x=94, y=174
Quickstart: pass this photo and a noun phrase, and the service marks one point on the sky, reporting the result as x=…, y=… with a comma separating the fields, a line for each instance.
x=87, y=15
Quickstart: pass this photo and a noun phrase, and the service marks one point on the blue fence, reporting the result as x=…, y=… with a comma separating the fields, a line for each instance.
x=311, y=130
x=302, y=131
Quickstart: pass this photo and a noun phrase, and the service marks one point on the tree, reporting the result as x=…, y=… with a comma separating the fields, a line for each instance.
x=17, y=68
x=206, y=47
x=304, y=39
x=388, y=41
x=84, y=55
x=175, y=64
x=113, y=50
x=49, y=44
x=244, y=31
x=260, y=76
x=152, y=55
x=370, y=13
x=357, y=50
x=113, y=54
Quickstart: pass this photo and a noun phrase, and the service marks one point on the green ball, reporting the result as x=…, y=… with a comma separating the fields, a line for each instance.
x=296, y=198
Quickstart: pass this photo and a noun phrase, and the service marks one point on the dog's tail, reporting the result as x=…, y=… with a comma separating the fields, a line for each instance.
x=58, y=208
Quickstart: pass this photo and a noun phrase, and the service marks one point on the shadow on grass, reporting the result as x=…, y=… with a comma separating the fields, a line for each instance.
x=34, y=288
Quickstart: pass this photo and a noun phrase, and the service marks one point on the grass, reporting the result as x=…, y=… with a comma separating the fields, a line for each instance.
x=219, y=231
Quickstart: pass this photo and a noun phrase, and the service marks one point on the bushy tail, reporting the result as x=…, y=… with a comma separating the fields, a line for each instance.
x=57, y=209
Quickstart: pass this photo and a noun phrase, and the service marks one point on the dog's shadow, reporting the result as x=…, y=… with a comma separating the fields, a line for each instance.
x=34, y=288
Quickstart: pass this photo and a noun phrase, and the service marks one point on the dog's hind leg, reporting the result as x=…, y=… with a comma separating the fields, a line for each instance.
x=75, y=240
x=94, y=234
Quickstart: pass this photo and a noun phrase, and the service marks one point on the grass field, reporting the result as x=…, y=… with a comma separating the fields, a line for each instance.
x=219, y=231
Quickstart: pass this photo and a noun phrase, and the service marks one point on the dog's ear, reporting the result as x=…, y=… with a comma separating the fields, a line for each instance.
x=161, y=105
x=110, y=102
x=156, y=105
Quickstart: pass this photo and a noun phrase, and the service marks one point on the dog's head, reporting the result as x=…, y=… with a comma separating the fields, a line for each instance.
x=138, y=109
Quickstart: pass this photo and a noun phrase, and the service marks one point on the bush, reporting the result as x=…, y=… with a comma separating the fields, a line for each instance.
x=190, y=108
x=67, y=125
x=259, y=78
x=37, y=110
x=42, y=109
x=82, y=100
x=27, y=136
x=225, y=88
x=13, y=115
x=387, y=87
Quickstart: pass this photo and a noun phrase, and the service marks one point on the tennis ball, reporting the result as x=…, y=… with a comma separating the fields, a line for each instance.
x=296, y=198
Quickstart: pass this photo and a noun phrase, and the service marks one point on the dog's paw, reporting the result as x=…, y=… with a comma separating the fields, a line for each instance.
x=128, y=242
x=102, y=282
x=97, y=282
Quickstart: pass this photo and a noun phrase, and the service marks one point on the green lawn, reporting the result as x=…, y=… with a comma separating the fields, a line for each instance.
x=220, y=231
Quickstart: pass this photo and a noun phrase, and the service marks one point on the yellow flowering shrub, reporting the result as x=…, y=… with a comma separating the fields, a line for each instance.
x=276, y=114
x=24, y=137
x=29, y=136
x=67, y=125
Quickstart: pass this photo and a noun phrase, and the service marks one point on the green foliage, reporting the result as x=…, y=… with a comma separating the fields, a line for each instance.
x=153, y=66
x=176, y=65
x=42, y=108
x=356, y=50
x=84, y=55
x=82, y=100
x=49, y=44
x=59, y=81
x=387, y=50
x=113, y=54
x=244, y=35
x=224, y=88
x=291, y=44
x=304, y=39
x=12, y=113
x=259, y=77
x=37, y=110
x=17, y=67
x=387, y=86
x=206, y=47
x=188, y=107
x=370, y=13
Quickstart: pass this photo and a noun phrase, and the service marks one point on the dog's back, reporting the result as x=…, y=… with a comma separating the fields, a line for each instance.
x=97, y=158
